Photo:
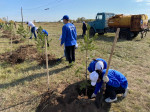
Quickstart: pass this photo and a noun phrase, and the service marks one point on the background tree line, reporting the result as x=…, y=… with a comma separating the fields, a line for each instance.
x=80, y=20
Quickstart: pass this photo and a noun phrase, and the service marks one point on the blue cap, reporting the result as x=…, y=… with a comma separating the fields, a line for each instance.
x=65, y=17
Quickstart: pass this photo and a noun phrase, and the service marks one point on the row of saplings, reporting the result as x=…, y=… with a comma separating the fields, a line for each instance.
x=24, y=52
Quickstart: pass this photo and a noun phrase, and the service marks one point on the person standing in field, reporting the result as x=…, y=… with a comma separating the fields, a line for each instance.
x=69, y=39
x=84, y=28
x=30, y=24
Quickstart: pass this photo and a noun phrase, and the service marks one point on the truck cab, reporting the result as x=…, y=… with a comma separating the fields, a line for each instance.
x=100, y=24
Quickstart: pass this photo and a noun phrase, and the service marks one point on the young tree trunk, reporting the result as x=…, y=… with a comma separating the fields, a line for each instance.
x=47, y=63
x=86, y=71
x=28, y=45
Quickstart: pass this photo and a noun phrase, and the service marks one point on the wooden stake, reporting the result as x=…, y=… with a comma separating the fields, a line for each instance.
x=112, y=50
x=47, y=63
x=11, y=45
x=86, y=71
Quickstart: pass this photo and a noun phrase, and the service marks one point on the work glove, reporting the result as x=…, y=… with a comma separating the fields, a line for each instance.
x=106, y=79
x=93, y=95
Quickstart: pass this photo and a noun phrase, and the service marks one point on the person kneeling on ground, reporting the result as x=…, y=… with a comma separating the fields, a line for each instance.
x=45, y=32
x=97, y=64
x=69, y=39
x=30, y=24
x=116, y=83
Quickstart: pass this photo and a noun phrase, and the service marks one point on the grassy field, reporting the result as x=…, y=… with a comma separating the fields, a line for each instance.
x=21, y=85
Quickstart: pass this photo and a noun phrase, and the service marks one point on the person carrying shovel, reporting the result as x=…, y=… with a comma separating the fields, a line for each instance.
x=116, y=83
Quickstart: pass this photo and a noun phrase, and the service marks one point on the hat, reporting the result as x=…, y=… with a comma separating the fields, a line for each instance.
x=99, y=65
x=65, y=17
x=83, y=21
x=94, y=77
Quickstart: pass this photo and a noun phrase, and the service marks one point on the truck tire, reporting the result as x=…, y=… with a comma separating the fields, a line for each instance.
x=0, y=26
x=92, y=32
x=135, y=34
x=100, y=33
x=125, y=35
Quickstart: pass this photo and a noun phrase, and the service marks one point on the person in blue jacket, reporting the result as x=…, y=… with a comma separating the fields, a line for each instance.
x=69, y=38
x=116, y=83
x=45, y=32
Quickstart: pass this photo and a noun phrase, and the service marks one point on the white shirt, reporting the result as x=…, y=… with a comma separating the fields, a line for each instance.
x=31, y=24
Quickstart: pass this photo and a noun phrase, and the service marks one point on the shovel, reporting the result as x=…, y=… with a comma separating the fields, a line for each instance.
x=60, y=59
x=99, y=96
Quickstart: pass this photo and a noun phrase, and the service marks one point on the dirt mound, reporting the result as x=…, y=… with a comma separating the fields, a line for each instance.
x=17, y=41
x=14, y=37
x=9, y=36
x=6, y=32
x=5, y=36
x=20, y=55
x=26, y=52
x=69, y=100
x=51, y=60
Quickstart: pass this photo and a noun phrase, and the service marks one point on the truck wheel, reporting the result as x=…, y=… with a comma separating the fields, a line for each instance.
x=100, y=33
x=92, y=32
x=135, y=34
x=125, y=35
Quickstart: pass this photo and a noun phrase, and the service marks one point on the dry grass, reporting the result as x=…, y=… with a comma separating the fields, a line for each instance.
x=21, y=85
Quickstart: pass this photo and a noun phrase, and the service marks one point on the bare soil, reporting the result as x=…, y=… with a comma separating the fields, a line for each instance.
x=51, y=60
x=26, y=52
x=14, y=37
x=7, y=34
x=71, y=99
x=17, y=41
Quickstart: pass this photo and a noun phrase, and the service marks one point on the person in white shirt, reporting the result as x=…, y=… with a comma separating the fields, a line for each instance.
x=30, y=24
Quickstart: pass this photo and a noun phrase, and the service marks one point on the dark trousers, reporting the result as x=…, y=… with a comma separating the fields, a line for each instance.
x=70, y=53
x=112, y=91
x=84, y=32
x=33, y=31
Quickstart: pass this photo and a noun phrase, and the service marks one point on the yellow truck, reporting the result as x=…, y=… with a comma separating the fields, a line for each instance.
x=130, y=25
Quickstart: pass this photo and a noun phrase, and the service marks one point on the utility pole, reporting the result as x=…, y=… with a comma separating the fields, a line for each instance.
x=7, y=18
x=22, y=16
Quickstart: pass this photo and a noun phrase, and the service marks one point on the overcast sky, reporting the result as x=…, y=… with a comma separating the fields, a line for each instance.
x=34, y=9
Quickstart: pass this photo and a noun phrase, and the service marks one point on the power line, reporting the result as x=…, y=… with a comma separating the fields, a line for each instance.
x=57, y=1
